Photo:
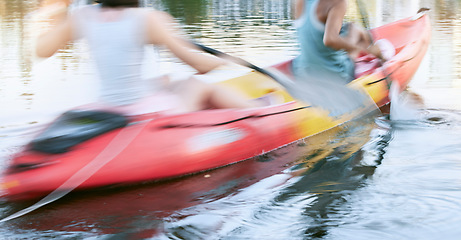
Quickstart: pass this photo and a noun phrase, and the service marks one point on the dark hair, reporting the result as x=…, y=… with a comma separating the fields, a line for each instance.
x=118, y=3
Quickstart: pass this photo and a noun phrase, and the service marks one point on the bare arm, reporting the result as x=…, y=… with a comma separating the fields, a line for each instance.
x=50, y=42
x=160, y=32
x=333, y=39
x=333, y=24
x=60, y=32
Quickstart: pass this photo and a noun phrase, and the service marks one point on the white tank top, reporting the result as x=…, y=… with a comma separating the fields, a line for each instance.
x=118, y=48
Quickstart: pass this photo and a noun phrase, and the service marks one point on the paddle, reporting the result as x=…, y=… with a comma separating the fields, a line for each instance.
x=116, y=146
x=333, y=96
x=399, y=110
x=366, y=24
x=280, y=78
x=239, y=61
x=363, y=15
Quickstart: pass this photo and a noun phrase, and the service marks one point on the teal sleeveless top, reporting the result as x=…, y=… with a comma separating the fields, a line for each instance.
x=317, y=60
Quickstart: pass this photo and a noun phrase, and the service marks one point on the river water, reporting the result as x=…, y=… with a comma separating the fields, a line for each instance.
x=369, y=179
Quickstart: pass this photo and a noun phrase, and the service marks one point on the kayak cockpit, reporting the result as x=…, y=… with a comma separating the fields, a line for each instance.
x=74, y=127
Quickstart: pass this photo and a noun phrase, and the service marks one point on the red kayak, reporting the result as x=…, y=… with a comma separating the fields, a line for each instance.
x=89, y=149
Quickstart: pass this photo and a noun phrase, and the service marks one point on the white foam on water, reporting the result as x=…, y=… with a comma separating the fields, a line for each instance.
x=403, y=106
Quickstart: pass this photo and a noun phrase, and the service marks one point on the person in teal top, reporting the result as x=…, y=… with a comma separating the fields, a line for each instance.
x=328, y=47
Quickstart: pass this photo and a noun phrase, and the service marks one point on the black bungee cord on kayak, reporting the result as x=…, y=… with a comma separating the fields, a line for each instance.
x=233, y=120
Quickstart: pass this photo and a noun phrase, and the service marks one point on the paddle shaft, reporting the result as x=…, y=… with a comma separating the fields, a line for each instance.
x=290, y=86
x=236, y=60
x=363, y=15
x=340, y=99
x=115, y=147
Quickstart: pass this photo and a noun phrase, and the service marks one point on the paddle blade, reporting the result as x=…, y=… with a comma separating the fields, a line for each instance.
x=327, y=93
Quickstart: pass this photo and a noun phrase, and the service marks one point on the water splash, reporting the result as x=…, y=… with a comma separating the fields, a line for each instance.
x=404, y=105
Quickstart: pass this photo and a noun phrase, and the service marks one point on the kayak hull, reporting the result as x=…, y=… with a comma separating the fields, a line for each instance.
x=156, y=146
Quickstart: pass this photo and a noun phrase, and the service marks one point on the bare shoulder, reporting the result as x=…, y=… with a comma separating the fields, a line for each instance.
x=327, y=7
x=336, y=4
x=160, y=16
x=159, y=25
x=335, y=7
x=298, y=8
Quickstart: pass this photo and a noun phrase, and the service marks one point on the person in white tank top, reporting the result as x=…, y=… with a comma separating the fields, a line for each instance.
x=117, y=32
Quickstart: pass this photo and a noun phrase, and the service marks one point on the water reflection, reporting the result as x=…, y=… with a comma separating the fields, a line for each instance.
x=15, y=55
x=415, y=187
x=188, y=11
x=14, y=50
x=299, y=203
x=250, y=29
x=252, y=187
x=195, y=11
x=335, y=178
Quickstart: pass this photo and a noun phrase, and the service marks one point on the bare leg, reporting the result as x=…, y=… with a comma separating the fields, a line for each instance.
x=197, y=95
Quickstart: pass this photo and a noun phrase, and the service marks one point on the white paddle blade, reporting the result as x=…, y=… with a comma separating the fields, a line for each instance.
x=325, y=92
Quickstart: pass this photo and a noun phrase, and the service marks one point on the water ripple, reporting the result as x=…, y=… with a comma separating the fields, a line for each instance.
x=431, y=118
x=228, y=215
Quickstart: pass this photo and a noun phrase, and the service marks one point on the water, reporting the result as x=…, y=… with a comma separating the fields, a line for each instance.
x=370, y=179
